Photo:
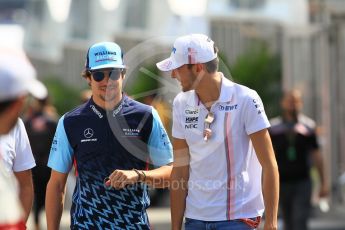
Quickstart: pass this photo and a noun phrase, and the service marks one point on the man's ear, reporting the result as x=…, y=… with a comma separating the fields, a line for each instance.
x=88, y=79
x=198, y=68
x=19, y=103
x=15, y=109
x=10, y=115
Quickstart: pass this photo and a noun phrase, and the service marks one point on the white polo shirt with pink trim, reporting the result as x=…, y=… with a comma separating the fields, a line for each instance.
x=225, y=174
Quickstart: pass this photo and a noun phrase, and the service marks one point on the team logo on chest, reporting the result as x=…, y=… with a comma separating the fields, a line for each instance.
x=227, y=108
x=131, y=132
x=88, y=134
x=94, y=109
x=191, y=118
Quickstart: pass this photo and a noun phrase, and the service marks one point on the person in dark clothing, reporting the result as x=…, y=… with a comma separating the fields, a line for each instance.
x=40, y=126
x=295, y=143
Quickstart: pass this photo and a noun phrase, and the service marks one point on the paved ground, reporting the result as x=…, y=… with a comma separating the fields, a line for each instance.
x=160, y=219
x=160, y=216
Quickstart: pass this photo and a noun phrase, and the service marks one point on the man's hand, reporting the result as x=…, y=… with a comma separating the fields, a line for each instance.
x=120, y=178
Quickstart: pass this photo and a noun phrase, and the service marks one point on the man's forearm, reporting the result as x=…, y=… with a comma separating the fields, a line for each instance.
x=158, y=178
x=271, y=195
x=178, y=194
x=178, y=205
x=26, y=196
x=26, y=191
x=319, y=164
x=54, y=207
x=263, y=146
x=179, y=182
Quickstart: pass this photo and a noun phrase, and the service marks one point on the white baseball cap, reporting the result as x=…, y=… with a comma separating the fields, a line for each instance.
x=18, y=76
x=189, y=49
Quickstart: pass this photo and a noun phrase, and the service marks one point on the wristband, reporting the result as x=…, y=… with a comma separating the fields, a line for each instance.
x=143, y=175
x=138, y=173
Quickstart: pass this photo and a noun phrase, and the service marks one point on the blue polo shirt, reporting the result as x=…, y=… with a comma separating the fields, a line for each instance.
x=97, y=142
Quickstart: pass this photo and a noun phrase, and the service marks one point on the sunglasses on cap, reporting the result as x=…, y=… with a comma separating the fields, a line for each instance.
x=99, y=75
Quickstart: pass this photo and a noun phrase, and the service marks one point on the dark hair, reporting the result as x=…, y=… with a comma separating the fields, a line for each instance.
x=5, y=104
x=212, y=66
x=86, y=73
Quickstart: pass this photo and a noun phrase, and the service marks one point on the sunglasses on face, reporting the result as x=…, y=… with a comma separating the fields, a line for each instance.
x=113, y=74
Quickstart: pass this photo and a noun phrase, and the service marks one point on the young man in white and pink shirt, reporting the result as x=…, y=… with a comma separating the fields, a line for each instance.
x=225, y=174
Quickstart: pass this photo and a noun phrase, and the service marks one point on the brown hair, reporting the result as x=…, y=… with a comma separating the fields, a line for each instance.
x=86, y=73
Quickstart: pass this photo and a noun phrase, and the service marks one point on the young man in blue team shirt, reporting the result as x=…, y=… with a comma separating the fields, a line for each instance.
x=110, y=140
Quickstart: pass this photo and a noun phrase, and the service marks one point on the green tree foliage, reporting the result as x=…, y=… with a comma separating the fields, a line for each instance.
x=62, y=96
x=260, y=70
x=142, y=82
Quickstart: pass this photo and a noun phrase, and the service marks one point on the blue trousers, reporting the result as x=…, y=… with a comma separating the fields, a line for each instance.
x=192, y=224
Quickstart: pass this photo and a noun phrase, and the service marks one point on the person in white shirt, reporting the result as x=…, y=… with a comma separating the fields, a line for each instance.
x=221, y=145
x=17, y=79
x=16, y=153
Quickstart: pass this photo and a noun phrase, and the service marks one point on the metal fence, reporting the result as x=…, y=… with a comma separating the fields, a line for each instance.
x=235, y=36
x=314, y=62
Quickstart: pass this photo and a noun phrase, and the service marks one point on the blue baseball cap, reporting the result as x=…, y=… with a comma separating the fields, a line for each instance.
x=104, y=55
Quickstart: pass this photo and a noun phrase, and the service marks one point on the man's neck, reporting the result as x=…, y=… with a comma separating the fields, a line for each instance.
x=209, y=89
x=2, y=129
x=112, y=104
x=7, y=124
x=288, y=117
x=109, y=105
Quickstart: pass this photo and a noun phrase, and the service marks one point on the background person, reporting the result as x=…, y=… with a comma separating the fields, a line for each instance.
x=17, y=79
x=221, y=145
x=297, y=150
x=17, y=156
x=40, y=125
x=110, y=139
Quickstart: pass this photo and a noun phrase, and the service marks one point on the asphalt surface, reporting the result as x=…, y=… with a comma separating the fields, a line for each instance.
x=160, y=219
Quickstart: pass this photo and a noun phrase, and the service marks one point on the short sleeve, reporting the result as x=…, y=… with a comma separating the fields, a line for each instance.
x=61, y=152
x=254, y=115
x=159, y=145
x=24, y=159
x=177, y=128
x=313, y=140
